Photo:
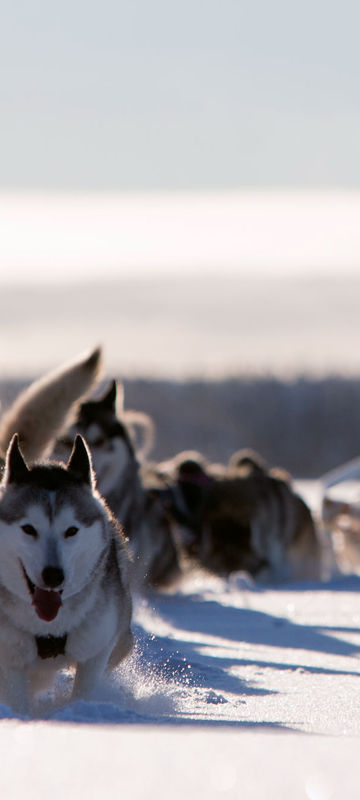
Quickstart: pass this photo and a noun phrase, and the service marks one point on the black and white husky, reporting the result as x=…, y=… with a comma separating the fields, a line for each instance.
x=112, y=433
x=64, y=597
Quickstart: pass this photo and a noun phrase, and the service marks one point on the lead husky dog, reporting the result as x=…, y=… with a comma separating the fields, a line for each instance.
x=64, y=597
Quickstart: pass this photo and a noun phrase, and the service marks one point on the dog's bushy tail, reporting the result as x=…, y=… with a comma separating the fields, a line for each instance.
x=42, y=411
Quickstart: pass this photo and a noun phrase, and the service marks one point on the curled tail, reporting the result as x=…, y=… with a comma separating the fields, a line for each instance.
x=41, y=412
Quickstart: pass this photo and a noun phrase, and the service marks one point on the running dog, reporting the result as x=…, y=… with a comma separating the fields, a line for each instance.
x=64, y=597
x=242, y=517
x=259, y=525
x=110, y=432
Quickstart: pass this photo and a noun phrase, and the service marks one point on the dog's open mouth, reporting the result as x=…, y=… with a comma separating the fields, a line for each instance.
x=45, y=601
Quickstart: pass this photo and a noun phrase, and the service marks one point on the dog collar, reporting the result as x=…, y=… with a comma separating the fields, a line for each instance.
x=51, y=646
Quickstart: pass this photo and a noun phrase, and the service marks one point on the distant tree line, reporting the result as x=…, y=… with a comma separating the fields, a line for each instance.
x=306, y=425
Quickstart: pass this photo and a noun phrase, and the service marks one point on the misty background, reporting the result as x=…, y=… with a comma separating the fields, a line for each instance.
x=181, y=183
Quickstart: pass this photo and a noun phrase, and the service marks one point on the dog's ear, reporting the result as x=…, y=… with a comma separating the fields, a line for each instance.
x=80, y=461
x=108, y=400
x=16, y=469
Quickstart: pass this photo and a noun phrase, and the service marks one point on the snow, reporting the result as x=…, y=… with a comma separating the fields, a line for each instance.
x=233, y=690
x=140, y=763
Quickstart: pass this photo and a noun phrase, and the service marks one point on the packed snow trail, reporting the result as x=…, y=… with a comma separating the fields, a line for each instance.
x=225, y=679
x=243, y=672
x=226, y=652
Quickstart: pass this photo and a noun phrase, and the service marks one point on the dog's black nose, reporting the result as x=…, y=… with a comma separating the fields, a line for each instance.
x=52, y=576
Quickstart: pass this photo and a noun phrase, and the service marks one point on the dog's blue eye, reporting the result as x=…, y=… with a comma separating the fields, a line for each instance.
x=71, y=531
x=30, y=530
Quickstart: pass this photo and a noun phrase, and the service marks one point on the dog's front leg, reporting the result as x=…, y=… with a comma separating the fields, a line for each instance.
x=88, y=674
x=14, y=690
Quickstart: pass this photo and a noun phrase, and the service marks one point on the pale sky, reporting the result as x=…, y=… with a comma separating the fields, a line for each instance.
x=197, y=94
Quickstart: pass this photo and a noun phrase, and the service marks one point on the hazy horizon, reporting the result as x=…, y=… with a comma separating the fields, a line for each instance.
x=56, y=237
x=181, y=327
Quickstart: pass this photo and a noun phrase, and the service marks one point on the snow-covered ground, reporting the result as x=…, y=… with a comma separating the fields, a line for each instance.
x=233, y=690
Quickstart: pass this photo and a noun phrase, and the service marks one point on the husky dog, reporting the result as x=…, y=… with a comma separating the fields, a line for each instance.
x=156, y=543
x=243, y=517
x=341, y=523
x=110, y=433
x=63, y=584
x=258, y=524
x=47, y=406
x=113, y=454
x=186, y=479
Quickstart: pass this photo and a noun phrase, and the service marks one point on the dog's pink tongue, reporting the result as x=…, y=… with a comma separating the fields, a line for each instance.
x=46, y=604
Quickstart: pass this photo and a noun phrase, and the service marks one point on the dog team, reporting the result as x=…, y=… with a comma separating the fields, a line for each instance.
x=86, y=520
